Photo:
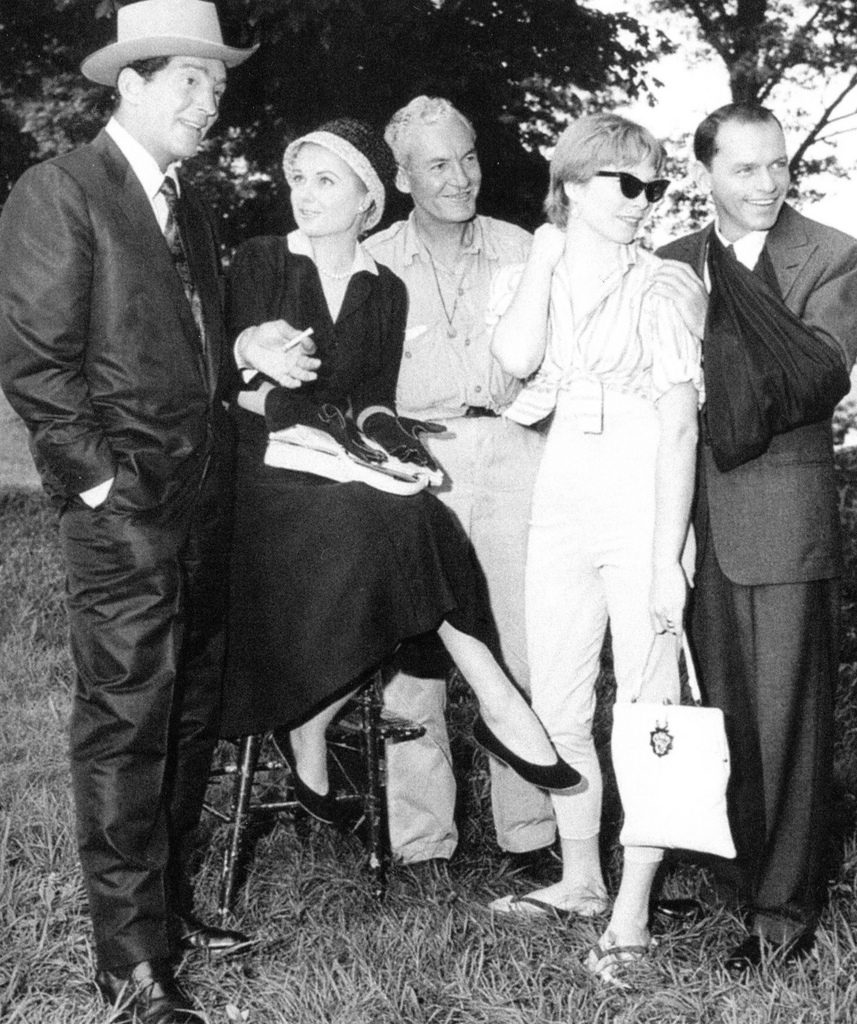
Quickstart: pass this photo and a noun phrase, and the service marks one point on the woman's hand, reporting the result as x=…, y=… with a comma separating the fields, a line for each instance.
x=667, y=598
x=548, y=246
x=279, y=351
x=678, y=283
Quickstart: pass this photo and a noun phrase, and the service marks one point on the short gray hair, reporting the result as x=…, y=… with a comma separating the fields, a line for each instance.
x=422, y=110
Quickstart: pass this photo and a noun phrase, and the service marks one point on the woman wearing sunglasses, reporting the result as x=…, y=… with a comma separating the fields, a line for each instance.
x=621, y=372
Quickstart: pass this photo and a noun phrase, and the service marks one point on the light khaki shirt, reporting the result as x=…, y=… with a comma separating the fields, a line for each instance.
x=447, y=363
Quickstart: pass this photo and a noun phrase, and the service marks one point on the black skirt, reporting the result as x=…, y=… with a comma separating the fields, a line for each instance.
x=327, y=580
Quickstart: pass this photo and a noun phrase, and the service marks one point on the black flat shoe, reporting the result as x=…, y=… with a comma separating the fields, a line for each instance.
x=322, y=807
x=546, y=776
x=146, y=993
x=191, y=934
x=750, y=954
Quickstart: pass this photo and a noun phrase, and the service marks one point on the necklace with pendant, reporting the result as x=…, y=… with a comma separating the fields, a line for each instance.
x=449, y=315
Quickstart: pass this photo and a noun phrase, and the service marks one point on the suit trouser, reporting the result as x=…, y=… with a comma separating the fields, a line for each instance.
x=590, y=560
x=490, y=465
x=768, y=656
x=145, y=598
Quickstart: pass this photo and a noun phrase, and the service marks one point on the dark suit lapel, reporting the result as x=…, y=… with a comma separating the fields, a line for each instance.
x=132, y=207
x=200, y=249
x=789, y=248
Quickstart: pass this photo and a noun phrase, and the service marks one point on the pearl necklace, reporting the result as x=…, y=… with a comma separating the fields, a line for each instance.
x=331, y=276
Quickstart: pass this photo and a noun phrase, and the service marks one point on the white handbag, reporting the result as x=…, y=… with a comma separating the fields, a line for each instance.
x=672, y=769
x=310, y=450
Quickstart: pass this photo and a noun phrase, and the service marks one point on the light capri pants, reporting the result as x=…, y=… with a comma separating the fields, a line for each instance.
x=589, y=560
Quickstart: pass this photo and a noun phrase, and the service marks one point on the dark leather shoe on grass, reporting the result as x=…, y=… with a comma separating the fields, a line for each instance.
x=543, y=865
x=146, y=993
x=191, y=934
x=680, y=910
x=751, y=953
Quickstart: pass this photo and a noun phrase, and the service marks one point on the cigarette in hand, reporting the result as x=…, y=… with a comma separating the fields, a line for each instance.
x=298, y=338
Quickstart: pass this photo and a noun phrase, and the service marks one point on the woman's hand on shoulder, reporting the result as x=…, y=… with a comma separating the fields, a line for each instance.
x=548, y=246
x=678, y=283
x=667, y=597
x=279, y=351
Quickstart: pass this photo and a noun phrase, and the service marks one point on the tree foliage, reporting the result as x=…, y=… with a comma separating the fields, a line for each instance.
x=513, y=65
x=767, y=44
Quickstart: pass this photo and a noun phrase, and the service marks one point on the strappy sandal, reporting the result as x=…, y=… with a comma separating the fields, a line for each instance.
x=529, y=907
x=609, y=964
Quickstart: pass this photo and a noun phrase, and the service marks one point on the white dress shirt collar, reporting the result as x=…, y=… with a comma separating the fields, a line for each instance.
x=143, y=164
x=748, y=248
x=300, y=245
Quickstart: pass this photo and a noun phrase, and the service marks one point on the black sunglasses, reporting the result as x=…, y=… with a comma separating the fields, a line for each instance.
x=632, y=186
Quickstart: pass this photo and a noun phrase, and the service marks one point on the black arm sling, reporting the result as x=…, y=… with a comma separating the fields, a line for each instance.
x=766, y=372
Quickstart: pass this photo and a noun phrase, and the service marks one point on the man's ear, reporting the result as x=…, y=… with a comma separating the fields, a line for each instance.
x=128, y=84
x=701, y=176
x=403, y=183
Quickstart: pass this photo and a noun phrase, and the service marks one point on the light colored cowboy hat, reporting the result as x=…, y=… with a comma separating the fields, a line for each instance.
x=162, y=28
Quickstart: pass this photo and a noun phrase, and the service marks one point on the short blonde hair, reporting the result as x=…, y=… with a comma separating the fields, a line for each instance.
x=422, y=110
x=589, y=145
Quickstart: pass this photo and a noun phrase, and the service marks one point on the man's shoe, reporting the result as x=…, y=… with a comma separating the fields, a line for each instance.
x=542, y=865
x=680, y=910
x=191, y=934
x=750, y=954
x=146, y=994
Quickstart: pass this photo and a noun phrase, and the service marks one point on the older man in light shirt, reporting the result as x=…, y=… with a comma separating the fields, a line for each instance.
x=448, y=256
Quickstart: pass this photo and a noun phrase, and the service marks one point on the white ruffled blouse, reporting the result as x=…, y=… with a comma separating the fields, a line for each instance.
x=623, y=337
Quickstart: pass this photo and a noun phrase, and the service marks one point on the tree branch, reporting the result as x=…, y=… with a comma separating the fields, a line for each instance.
x=813, y=136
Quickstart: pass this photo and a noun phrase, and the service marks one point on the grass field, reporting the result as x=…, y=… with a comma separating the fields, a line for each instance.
x=329, y=953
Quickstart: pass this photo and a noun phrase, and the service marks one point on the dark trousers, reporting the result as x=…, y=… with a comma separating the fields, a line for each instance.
x=768, y=656
x=146, y=601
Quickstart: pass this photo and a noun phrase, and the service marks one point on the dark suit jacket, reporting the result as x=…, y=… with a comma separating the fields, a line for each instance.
x=99, y=352
x=776, y=518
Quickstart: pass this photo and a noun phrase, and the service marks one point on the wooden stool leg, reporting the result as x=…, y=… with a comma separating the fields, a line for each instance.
x=371, y=703
x=248, y=754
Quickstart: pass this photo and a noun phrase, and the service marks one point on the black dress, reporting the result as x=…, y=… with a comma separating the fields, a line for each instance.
x=328, y=578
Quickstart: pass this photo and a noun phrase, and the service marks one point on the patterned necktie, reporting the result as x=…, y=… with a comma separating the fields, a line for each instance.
x=173, y=236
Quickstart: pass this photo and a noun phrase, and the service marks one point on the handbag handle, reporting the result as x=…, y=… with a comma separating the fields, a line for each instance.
x=692, y=680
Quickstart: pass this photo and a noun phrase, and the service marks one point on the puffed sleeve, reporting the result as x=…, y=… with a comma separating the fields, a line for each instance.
x=504, y=284
x=676, y=352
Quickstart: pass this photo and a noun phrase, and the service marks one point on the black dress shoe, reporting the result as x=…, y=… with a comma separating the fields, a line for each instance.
x=558, y=775
x=750, y=954
x=146, y=994
x=681, y=910
x=191, y=934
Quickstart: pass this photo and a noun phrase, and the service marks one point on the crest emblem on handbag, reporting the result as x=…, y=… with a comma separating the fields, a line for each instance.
x=672, y=770
x=661, y=740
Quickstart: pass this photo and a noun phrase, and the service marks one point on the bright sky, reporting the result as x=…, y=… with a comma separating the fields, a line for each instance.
x=695, y=82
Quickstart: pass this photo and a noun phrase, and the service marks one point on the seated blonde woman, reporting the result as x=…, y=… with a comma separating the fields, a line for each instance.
x=329, y=577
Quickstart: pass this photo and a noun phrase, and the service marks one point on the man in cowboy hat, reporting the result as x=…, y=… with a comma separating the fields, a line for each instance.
x=112, y=350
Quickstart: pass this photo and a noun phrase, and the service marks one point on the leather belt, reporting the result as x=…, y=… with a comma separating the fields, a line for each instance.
x=471, y=411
